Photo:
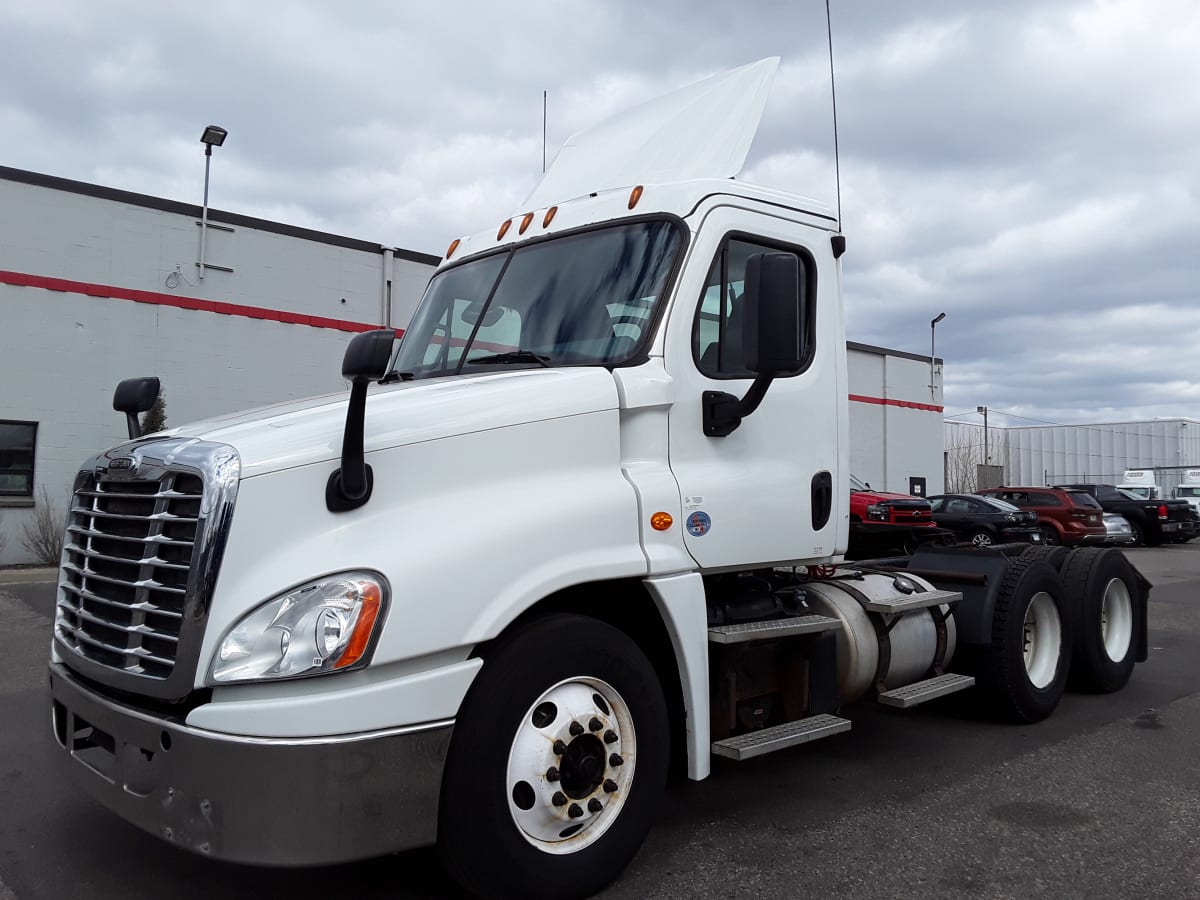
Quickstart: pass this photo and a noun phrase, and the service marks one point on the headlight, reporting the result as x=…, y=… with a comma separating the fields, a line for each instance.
x=327, y=625
x=878, y=511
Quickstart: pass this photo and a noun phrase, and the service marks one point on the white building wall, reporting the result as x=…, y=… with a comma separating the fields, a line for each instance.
x=895, y=419
x=64, y=347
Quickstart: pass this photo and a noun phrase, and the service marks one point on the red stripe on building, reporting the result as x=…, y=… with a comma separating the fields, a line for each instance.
x=888, y=401
x=153, y=297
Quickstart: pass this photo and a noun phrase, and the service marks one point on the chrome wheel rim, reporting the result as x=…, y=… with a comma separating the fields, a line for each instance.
x=1116, y=619
x=1041, y=639
x=982, y=540
x=570, y=765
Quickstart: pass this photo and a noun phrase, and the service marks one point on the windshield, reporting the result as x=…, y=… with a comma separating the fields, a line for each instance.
x=1188, y=491
x=584, y=299
x=1136, y=493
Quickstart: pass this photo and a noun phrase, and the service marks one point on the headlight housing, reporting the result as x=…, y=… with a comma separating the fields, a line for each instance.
x=878, y=512
x=326, y=625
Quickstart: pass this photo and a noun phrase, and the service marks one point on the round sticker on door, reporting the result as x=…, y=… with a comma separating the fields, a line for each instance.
x=698, y=524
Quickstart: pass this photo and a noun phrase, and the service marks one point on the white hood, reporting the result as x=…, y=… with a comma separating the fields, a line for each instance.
x=701, y=131
x=309, y=431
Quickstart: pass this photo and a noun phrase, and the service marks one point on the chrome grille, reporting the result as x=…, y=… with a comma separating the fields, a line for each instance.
x=143, y=547
x=126, y=560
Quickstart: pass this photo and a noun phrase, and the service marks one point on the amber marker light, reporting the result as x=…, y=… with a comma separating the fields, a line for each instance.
x=634, y=196
x=525, y=222
x=661, y=521
x=549, y=216
x=372, y=602
x=453, y=246
x=503, y=229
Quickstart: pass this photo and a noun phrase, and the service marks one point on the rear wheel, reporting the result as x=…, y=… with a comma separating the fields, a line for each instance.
x=557, y=764
x=1050, y=535
x=1030, y=650
x=1102, y=589
x=1056, y=556
x=1136, y=529
x=982, y=539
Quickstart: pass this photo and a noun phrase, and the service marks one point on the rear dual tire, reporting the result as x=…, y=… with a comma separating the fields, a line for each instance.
x=1102, y=589
x=1028, y=660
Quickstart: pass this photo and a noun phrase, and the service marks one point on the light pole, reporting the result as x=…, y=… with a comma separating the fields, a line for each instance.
x=933, y=354
x=213, y=136
x=986, y=453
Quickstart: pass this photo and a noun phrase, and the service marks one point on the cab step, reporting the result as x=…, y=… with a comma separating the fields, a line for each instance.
x=780, y=737
x=907, y=602
x=929, y=689
x=775, y=628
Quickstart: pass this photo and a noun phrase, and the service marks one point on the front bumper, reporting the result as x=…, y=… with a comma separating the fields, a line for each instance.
x=267, y=801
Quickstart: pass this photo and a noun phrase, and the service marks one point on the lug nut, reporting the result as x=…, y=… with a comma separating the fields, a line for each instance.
x=615, y=760
x=574, y=811
x=576, y=729
x=610, y=737
x=595, y=724
x=610, y=786
x=559, y=799
x=552, y=774
x=594, y=805
x=559, y=748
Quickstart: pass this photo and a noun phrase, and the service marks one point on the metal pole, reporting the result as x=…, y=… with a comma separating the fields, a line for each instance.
x=204, y=211
x=987, y=453
x=932, y=357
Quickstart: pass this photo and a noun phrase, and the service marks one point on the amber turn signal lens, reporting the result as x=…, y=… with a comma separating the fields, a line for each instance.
x=503, y=229
x=634, y=196
x=371, y=604
x=661, y=521
x=549, y=216
x=525, y=222
x=453, y=246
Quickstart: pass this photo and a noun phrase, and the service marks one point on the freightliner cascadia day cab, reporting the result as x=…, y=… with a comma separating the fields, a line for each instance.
x=580, y=528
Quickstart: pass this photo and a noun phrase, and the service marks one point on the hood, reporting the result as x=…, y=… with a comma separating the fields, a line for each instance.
x=287, y=435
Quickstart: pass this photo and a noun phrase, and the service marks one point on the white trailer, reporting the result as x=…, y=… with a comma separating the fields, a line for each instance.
x=580, y=523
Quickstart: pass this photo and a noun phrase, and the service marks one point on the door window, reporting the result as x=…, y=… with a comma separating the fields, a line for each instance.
x=717, y=337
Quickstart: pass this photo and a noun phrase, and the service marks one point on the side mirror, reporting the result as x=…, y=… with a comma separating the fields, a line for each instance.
x=774, y=337
x=368, y=354
x=133, y=396
x=775, y=328
x=366, y=360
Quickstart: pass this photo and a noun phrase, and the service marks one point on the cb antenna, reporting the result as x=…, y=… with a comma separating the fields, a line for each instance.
x=837, y=166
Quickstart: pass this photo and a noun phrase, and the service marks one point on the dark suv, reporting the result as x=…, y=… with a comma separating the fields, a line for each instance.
x=1065, y=516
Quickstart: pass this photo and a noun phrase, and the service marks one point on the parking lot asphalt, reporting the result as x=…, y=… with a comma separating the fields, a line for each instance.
x=1101, y=800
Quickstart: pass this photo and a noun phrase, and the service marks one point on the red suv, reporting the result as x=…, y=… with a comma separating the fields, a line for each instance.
x=1064, y=516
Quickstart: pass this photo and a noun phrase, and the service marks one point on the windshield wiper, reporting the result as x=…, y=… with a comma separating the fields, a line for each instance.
x=513, y=356
x=393, y=376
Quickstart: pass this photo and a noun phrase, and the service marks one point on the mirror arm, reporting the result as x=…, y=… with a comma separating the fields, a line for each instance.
x=723, y=412
x=349, y=487
x=134, y=426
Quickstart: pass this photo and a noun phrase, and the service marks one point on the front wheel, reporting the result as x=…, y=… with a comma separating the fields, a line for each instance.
x=557, y=764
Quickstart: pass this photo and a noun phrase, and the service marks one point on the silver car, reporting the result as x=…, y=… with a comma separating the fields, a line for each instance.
x=1118, y=528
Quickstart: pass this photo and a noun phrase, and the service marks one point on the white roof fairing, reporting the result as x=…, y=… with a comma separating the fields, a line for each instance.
x=703, y=130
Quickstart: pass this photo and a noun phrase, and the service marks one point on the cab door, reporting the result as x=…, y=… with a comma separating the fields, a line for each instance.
x=774, y=490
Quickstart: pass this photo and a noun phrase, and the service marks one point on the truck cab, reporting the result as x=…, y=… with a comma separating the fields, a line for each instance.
x=579, y=526
x=1141, y=483
x=1189, y=489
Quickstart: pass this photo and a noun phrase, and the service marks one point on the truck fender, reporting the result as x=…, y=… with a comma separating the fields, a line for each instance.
x=680, y=602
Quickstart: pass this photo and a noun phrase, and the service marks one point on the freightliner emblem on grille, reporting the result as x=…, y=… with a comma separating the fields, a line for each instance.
x=122, y=467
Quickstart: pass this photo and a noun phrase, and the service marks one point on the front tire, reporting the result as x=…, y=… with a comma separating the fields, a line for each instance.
x=1030, y=652
x=982, y=538
x=537, y=801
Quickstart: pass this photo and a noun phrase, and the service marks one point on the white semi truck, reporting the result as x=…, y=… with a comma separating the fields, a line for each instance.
x=1189, y=488
x=577, y=529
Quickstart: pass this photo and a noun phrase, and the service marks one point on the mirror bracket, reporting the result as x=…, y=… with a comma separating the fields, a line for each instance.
x=723, y=412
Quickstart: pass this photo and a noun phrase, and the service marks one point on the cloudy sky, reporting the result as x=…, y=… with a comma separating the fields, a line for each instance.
x=1032, y=169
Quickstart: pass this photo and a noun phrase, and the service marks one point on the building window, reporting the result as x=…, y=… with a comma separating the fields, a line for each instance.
x=17, y=443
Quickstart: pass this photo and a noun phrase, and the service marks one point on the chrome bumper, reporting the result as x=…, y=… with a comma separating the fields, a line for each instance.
x=266, y=801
